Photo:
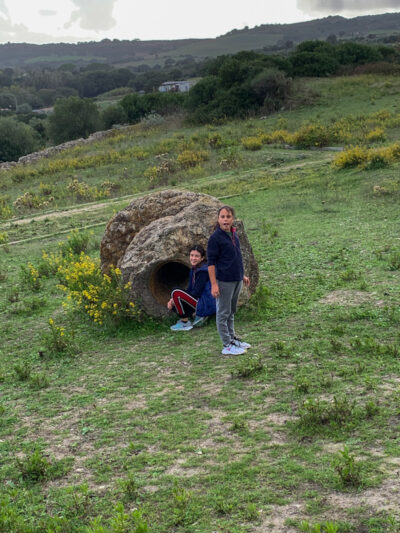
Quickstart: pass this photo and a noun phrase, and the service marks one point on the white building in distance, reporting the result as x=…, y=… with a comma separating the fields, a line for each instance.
x=174, y=87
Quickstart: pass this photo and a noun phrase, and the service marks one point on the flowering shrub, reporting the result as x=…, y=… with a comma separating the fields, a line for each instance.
x=378, y=158
x=215, y=140
x=352, y=157
x=6, y=211
x=376, y=135
x=3, y=237
x=252, y=143
x=31, y=201
x=30, y=276
x=191, y=158
x=364, y=158
x=82, y=191
x=312, y=135
x=103, y=297
x=59, y=340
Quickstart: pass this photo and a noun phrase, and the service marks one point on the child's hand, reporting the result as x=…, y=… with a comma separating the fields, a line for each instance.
x=246, y=281
x=170, y=304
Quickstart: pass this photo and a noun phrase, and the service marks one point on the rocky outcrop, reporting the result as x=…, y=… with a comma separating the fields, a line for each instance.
x=150, y=240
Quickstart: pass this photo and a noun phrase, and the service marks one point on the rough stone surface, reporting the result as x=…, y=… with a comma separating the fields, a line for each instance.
x=150, y=240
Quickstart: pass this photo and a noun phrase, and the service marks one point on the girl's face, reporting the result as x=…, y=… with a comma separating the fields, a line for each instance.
x=225, y=220
x=195, y=258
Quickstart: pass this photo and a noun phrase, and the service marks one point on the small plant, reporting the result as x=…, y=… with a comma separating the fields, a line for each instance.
x=302, y=385
x=3, y=237
x=348, y=468
x=394, y=261
x=28, y=305
x=59, y=340
x=30, y=276
x=223, y=506
x=34, y=468
x=316, y=412
x=239, y=425
x=39, y=381
x=250, y=512
x=260, y=301
x=350, y=275
x=248, y=366
x=181, y=500
x=76, y=243
x=130, y=487
x=22, y=371
x=327, y=527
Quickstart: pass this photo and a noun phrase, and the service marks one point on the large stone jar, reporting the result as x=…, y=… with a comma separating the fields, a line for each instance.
x=150, y=240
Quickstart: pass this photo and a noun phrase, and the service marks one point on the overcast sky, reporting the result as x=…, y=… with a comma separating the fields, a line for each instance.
x=44, y=21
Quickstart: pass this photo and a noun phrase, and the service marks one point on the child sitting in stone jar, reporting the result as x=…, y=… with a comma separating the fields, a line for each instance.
x=196, y=300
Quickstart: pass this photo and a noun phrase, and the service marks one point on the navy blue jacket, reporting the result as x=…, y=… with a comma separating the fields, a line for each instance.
x=200, y=288
x=223, y=251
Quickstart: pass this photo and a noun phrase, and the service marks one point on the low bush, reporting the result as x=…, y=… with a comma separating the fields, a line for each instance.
x=191, y=158
x=30, y=277
x=103, y=297
x=252, y=143
x=82, y=191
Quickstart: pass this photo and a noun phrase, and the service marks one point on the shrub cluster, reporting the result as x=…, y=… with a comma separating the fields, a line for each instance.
x=365, y=158
x=103, y=297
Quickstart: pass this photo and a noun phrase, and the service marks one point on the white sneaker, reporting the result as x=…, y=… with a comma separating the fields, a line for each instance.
x=181, y=325
x=240, y=344
x=231, y=349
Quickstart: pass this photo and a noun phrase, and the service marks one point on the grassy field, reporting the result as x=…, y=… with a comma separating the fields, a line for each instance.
x=136, y=428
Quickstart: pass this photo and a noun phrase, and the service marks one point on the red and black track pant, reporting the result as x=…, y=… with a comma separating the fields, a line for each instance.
x=185, y=305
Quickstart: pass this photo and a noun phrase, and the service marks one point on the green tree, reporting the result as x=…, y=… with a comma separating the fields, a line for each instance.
x=113, y=114
x=16, y=139
x=72, y=118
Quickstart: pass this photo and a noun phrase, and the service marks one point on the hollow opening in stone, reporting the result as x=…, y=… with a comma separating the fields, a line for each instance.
x=167, y=277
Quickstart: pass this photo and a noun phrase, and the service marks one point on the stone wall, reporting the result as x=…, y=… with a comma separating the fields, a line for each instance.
x=53, y=150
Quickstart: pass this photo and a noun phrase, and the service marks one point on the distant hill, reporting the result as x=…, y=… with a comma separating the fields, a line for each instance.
x=268, y=37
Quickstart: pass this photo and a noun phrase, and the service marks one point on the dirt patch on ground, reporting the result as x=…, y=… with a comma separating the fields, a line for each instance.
x=349, y=298
x=383, y=498
x=275, y=519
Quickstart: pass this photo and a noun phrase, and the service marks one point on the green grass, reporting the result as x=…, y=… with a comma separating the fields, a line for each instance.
x=300, y=433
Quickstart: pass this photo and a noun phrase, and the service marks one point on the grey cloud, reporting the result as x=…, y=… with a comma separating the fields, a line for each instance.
x=93, y=15
x=19, y=33
x=47, y=12
x=336, y=6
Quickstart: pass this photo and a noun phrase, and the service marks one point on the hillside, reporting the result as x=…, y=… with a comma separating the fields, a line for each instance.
x=371, y=28
x=128, y=427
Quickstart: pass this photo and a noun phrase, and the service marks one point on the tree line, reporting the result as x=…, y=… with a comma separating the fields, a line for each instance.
x=230, y=86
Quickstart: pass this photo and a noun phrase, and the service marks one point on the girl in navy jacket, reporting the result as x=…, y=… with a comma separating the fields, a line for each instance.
x=197, y=298
x=225, y=267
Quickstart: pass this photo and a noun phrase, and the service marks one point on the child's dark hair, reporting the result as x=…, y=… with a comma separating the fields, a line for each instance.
x=229, y=208
x=198, y=248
